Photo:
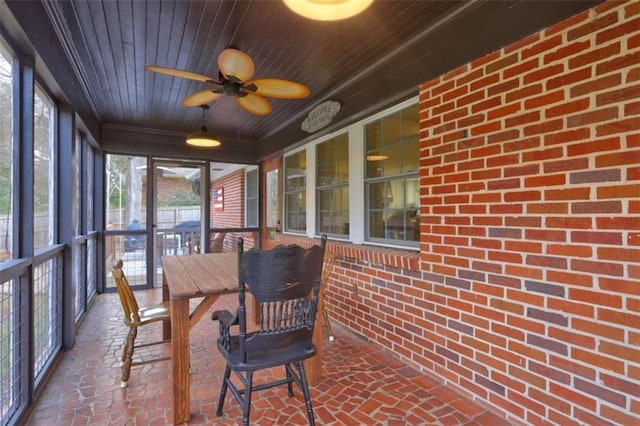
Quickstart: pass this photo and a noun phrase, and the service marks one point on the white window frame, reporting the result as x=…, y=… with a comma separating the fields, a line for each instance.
x=314, y=150
x=252, y=222
x=310, y=183
x=357, y=209
x=410, y=244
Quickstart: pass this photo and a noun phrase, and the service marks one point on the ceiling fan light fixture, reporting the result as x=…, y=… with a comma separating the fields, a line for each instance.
x=327, y=10
x=202, y=138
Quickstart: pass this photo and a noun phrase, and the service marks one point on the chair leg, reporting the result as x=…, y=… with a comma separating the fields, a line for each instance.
x=127, y=356
x=246, y=407
x=125, y=349
x=305, y=391
x=327, y=323
x=223, y=390
x=287, y=370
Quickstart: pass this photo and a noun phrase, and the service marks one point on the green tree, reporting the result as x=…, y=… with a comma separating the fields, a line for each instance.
x=6, y=137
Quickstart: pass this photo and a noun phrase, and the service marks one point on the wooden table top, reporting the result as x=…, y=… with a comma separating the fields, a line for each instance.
x=199, y=275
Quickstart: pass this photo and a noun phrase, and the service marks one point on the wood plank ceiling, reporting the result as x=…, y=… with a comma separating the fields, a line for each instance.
x=367, y=62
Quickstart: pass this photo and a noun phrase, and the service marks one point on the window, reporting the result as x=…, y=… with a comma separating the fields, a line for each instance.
x=251, y=198
x=391, y=178
x=77, y=175
x=47, y=279
x=271, y=205
x=43, y=170
x=11, y=308
x=332, y=186
x=295, y=188
x=363, y=184
x=126, y=176
x=126, y=216
x=90, y=225
x=89, y=188
x=6, y=155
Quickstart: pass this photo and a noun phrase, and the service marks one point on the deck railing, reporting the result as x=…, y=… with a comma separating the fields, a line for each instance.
x=32, y=301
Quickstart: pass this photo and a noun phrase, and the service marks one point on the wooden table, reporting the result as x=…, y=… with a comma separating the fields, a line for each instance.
x=209, y=276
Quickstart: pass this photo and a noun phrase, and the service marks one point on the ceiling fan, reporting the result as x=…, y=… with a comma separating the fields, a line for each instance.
x=235, y=70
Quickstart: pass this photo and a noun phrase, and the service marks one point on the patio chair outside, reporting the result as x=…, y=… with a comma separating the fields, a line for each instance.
x=217, y=243
x=280, y=280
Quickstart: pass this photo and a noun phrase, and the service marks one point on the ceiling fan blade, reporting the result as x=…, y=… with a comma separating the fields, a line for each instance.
x=203, y=97
x=234, y=63
x=180, y=73
x=282, y=89
x=255, y=104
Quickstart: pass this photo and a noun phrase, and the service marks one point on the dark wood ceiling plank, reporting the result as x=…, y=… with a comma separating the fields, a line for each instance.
x=106, y=14
x=266, y=49
x=190, y=51
x=139, y=34
x=128, y=65
x=161, y=89
x=211, y=39
x=169, y=35
x=179, y=46
x=154, y=83
x=90, y=36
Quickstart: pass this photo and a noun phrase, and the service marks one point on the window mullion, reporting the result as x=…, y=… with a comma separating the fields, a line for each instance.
x=311, y=191
x=356, y=184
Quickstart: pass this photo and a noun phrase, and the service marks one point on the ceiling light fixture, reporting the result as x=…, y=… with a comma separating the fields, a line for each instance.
x=202, y=138
x=328, y=10
x=377, y=157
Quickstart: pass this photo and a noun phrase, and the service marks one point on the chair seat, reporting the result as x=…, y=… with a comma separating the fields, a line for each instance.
x=267, y=358
x=159, y=312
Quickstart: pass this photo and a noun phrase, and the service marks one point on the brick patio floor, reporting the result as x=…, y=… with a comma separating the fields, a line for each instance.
x=362, y=384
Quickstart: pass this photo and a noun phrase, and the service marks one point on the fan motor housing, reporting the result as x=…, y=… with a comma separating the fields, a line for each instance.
x=231, y=88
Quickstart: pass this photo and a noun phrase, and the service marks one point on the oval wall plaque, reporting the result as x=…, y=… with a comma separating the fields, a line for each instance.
x=320, y=116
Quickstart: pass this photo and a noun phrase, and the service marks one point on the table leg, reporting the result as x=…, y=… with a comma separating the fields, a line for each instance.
x=166, y=325
x=180, y=360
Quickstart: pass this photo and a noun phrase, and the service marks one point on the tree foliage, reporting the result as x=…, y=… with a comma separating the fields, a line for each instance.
x=6, y=139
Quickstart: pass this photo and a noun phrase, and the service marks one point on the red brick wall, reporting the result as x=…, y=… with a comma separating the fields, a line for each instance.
x=526, y=292
x=531, y=204
x=233, y=192
x=233, y=214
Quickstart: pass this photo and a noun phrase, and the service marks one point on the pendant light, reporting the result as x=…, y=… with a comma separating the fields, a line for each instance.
x=202, y=138
x=328, y=10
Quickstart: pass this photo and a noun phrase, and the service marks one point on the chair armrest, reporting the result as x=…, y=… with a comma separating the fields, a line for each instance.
x=225, y=320
x=225, y=317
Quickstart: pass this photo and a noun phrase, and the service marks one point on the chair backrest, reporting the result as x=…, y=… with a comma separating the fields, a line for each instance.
x=327, y=266
x=127, y=299
x=285, y=282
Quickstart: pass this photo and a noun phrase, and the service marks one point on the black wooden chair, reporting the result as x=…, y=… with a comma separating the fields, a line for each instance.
x=285, y=282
